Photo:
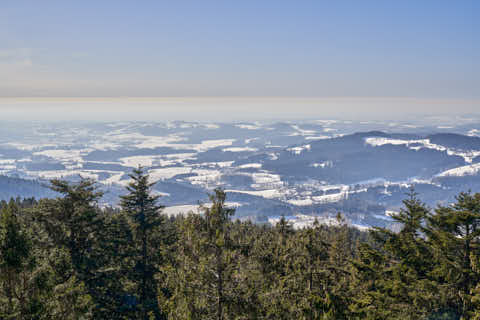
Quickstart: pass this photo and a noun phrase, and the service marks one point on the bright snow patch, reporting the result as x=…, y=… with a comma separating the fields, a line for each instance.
x=323, y=164
x=6, y=161
x=250, y=165
x=301, y=202
x=265, y=180
x=144, y=161
x=248, y=126
x=210, y=144
x=159, y=160
x=298, y=150
x=380, y=141
x=269, y=194
x=60, y=174
x=474, y=133
x=469, y=170
x=205, y=177
x=167, y=173
x=273, y=156
x=29, y=147
x=300, y=221
x=221, y=164
x=116, y=179
x=211, y=126
x=192, y=208
x=64, y=155
x=390, y=213
x=317, y=138
x=239, y=149
x=301, y=132
x=423, y=143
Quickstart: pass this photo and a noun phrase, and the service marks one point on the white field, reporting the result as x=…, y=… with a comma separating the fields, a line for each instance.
x=300, y=221
x=59, y=174
x=317, y=137
x=301, y=132
x=425, y=143
x=323, y=164
x=268, y=194
x=205, y=177
x=159, y=160
x=250, y=165
x=63, y=156
x=300, y=149
x=266, y=180
x=167, y=173
x=191, y=208
x=249, y=126
x=469, y=170
x=240, y=149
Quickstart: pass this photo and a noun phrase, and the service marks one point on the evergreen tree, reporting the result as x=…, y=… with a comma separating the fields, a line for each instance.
x=24, y=283
x=208, y=257
x=310, y=272
x=454, y=236
x=67, y=258
x=337, y=278
x=149, y=237
x=218, y=245
x=73, y=223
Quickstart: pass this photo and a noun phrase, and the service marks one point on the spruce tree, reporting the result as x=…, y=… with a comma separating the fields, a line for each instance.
x=207, y=265
x=454, y=236
x=148, y=229
x=73, y=223
x=218, y=244
x=23, y=278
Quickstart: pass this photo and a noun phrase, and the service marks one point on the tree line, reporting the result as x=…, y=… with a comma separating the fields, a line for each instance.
x=67, y=258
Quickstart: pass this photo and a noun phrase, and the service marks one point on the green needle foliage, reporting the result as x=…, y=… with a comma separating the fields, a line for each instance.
x=69, y=258
x=148, y=243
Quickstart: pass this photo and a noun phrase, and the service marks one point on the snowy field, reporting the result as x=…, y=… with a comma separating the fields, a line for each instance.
x=289, y=164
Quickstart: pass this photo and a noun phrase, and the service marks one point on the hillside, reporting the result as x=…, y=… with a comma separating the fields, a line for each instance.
x=314, y=168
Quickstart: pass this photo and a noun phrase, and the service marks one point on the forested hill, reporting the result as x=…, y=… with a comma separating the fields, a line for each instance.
x=300, y=169
x=17, y=187
x=67, y=258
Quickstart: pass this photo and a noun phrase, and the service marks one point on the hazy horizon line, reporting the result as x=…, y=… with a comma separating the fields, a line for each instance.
x=228, y=108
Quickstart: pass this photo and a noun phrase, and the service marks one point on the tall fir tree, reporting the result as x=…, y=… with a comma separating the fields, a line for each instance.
x=207, y=265
x=74, y=224
x=17, y=264
x=454, y=236
x=148, y=226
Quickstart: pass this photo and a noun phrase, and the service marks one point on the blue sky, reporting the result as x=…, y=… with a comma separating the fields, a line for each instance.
x=407, y=49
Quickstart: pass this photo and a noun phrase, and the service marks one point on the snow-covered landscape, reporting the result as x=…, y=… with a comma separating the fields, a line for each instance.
x=305, y=169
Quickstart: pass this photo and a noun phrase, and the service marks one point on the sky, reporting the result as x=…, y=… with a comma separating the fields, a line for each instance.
x=317, y=57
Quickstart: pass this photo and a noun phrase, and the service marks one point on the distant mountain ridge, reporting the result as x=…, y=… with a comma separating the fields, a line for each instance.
x=268, y=169
x=11, y=187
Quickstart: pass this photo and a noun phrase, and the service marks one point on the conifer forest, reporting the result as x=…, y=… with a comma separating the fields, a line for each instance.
x=68, y=258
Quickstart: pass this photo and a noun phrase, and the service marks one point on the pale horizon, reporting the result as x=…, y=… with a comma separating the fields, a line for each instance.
x=229, y=108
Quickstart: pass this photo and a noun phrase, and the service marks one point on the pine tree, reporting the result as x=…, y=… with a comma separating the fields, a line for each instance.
x=207, y=262
x=217, y=218
x=113, y=244
x=147, y=222
x=337, y=278
x=454, y=236
x=310, y=271
x=73, y=223
x=24, y=282
x=404, y=285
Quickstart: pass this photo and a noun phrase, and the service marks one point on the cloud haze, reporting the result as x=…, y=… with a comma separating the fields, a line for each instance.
x=227, y=108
